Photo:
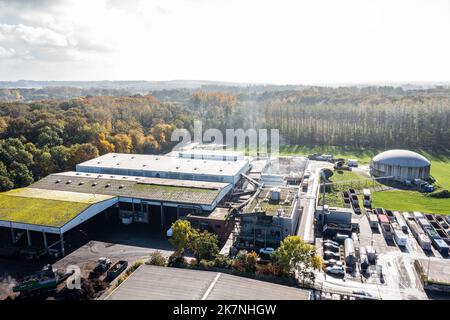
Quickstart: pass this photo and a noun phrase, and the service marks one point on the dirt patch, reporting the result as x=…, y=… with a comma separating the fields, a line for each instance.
x=6, y=285
x=90, y=289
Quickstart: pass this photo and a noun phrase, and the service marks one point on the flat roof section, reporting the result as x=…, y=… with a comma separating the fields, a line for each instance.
x=165, y=283
x=159, y=163
x=51, y=208
x=147, y=189
x=217, y=214
x=439, y=270
x=157, y=181
x=288, y=196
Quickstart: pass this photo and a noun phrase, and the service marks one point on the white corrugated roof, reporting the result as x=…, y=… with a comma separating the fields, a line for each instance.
x=165, y=164
x=403, y=158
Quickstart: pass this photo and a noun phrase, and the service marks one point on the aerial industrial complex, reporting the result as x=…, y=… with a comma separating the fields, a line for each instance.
x=251, y=204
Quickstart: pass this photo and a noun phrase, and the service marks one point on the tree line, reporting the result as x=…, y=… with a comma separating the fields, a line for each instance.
x=43, y=137
x=51, y=135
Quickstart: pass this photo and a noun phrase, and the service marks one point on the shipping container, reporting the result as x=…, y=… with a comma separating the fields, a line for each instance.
x=424, y=223
x=417, y=215
x=400, y=238
x=432, y=233
x=441, y=246
x=373, y=220
x=424, y=241
x=387, y=230
x=402, y=223
x=383, y=218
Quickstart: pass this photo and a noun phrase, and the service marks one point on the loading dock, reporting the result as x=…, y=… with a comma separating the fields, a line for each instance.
x=41, y=208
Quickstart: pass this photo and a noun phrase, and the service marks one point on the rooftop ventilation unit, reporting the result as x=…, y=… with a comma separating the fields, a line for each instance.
x=94, y=184
x=69, y=182
x=81, y=183
x=58, y=181
x=121, y=186
x=107, y=185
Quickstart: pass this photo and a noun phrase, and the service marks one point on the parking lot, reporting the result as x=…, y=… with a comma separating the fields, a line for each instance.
x=398, y=278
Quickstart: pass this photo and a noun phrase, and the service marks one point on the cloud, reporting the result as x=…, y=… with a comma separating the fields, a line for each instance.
x=32, y=35
x=6, y=53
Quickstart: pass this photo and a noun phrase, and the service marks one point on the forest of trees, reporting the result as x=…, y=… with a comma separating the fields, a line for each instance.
x=39, y=138
x=45, y=136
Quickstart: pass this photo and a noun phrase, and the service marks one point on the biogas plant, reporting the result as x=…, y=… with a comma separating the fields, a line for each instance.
x=251, y=204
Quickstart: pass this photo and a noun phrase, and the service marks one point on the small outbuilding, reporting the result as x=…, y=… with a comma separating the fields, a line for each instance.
x=401, y=165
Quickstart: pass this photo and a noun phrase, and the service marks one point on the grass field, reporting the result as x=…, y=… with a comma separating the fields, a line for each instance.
x=441, y=172
x=344, y=180
x=410, y=201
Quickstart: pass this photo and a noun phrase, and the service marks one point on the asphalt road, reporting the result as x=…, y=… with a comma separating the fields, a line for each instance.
x=308, y=200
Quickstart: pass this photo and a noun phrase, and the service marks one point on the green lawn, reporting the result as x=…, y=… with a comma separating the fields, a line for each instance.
x=410, y=201
x=344, y=180
x=441, y=172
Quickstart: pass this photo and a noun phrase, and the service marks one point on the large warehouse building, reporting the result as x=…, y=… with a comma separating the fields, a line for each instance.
x=156, y=190
x=169, y=167
x=401, y=165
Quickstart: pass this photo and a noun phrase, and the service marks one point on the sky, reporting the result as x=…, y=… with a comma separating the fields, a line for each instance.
x=257, y=41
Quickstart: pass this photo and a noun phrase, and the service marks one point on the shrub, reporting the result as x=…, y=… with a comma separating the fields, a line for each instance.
x=442, y=194
x=267, y=270
x=237, y=265
x=222, y=261
x=250, y=262
x=129, y=271
x=204, y=245
x=157, y=259
x=193, y=262
x=176, y=259
x=206, y=264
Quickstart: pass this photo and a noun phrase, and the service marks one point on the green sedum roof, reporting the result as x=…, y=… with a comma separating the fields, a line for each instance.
x=51, y=208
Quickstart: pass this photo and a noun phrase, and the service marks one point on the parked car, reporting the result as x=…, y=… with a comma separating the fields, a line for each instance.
x=331, y=242
x=331, y=254
x=330, y=262
x=333, y=262
x=330, y=246
x=340, y=237
x=267, y=251
x=336, y=270
x=103, y=264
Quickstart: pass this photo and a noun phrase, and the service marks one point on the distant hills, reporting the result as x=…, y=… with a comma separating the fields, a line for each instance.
x=145, y=86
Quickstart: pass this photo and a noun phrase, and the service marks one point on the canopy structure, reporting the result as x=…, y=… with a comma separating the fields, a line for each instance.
x=50, y=211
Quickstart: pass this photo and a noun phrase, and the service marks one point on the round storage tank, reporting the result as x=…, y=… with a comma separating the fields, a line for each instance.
x=402, y=165
x=349, y=250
